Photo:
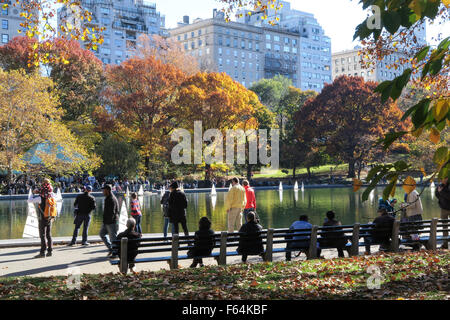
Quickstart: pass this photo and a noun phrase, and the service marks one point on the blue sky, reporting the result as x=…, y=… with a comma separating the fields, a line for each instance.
x=338, y=17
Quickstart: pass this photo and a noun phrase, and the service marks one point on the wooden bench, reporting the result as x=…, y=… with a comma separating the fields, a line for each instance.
x=223, y=241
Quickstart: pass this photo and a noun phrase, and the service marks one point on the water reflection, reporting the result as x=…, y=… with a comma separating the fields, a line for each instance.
x=275, y=210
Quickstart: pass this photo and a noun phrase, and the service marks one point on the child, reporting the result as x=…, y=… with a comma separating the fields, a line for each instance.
x=203, y=242
x=136, y=212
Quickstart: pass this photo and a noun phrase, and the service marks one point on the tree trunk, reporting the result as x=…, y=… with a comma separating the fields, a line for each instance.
x=293, y=172
x=351, y=169
x=147, y=166
x=249, y=172
x=207, y=172
x=308, y=169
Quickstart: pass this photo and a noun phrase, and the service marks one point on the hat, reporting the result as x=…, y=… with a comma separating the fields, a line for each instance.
x=88, y=188
x=174, y=185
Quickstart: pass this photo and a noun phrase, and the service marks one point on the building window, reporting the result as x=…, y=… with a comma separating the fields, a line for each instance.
x=257, y=46
x=235, y=43
x=276, y=48
x=185, y=46
x=185, y=36
x=4, y=11
x=276, y=38
x=235, y=53
x=118, y=61
x=268, y=37
x=193, y=45
x=5, y=38
x=268, y=46
x=5, y=24
x=220, y=50
x=106, y=21
x=220, y=41
x=199, y=32
x=228, y=42
x=192, y=34
x=242, y=44
x=118, y=53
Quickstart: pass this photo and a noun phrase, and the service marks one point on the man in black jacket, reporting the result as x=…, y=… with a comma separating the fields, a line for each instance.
x=443, y=194
x=250, y=243
x=110, y=219
x=382, y=231
x=177, y=209
x=84, y=204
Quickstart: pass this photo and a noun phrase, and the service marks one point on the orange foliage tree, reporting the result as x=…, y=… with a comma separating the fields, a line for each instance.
x=347, y=118
x=140, y=103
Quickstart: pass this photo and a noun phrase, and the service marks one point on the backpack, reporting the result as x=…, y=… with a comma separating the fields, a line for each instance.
x=50, y=208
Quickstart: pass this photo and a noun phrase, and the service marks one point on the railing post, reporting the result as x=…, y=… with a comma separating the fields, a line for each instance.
x=395, y=234
x=432, y=241
x=223, y=249
x=312, y=251
x=124, y=255
x=174, y=260
x=354, y=250
x=268, y=256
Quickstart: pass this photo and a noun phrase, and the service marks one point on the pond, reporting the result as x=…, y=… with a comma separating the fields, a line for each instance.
x=275, y=210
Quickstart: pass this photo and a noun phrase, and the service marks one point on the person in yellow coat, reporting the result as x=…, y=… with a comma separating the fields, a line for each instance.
x=235, y=202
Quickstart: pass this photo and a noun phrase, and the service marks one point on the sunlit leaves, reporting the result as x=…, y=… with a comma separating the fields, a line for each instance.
x=409, y=185
x=357, y=184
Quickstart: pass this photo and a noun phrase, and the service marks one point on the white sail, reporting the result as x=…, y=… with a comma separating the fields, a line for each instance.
x=30, y=197
x=432, y=185
x=281, y=195
x=58, y=196
x=281, y=186
x=303, y=187
x=123, y=217
x=127, y=193
x=213, y=191
x=296, y=195
x=141, y=191
x=371, y=195
x=296, y=185
x=213, y=202
x=31, y=229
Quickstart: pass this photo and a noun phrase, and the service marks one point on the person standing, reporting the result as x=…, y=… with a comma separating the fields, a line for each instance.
x=177, y=209
x=165, y=207
x=85, y=204
x=136, y=213
x=110, y=219
x=234, y=204
x=250, y=206
x=45, y=221
x=443, y=194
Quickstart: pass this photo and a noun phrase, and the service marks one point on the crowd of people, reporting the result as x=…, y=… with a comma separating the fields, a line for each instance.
x=240, y=202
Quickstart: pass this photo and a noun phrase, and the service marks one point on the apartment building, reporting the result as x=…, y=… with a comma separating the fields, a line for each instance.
x=10, y=23
x=124, y=20
x=248, y=50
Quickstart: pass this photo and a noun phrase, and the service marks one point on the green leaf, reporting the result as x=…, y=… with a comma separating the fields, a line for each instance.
x=387, y=191
x=400, y=165
x=441, y=156
x=421, y=113
x=391, y=21
x=390, y=138
x=422, y=54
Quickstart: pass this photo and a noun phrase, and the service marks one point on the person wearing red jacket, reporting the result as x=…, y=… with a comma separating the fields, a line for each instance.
x=251, y=199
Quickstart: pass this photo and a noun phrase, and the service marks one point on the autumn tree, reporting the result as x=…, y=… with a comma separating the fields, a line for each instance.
x=78, y=78
x=347, y=118
x=167, y=51
x=140, y=103
x=219, y=103
x=29, y=115
x=294, y=152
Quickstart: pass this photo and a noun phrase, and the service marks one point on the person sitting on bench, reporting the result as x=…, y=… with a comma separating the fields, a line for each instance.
x=251, y=242
x=132, y=249
x=335, y=240
x=303, y=242
x=203, y=242
x=382, y=231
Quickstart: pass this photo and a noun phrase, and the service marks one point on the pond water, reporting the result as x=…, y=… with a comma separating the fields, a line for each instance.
x=275, y=210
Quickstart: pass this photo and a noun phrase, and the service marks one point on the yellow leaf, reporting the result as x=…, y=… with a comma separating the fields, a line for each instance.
x=357, y=184
x=409, y=185
x=423, y=172
x=446, y=3
x=441, y=109
x=392, y=194
x=435, y=135
x=416, y=6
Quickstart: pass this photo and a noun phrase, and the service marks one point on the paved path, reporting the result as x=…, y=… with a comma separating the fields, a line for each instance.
x=19, y=261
